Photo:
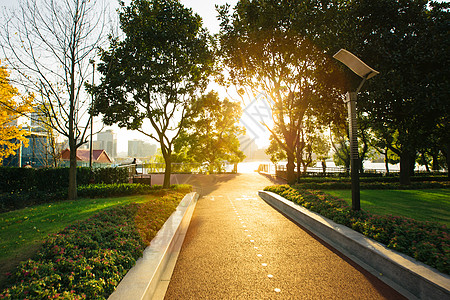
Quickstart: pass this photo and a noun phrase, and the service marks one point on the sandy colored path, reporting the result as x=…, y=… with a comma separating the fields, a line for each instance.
x=238, y=247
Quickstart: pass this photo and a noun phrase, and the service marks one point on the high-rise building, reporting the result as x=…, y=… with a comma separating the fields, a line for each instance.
x=107, y=141
x=36, y=118
x=139, y=148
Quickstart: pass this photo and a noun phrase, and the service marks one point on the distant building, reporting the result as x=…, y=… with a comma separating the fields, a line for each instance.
x=37, y=154
x=99, y=158
x=139, y=148
x=108, y=141
x=35, y=121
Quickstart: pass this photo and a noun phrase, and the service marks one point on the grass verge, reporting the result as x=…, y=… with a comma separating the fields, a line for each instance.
x=23, y=231
x=422, y=205
x=427, y=242
x=88, y=258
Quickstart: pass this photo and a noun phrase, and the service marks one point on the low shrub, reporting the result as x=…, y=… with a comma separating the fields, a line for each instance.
x=427, y=242
x=19, y=199
x=24, y=179
x=119, y=189
x=370, y=185
x=87, y=260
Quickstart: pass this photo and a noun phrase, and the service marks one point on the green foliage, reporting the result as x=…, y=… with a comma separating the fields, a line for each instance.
x=267, y=47
x=30, y=180
x=119, y=189
x=376, y=184
x=275, y=151
x=407, y=99
x=427, y=242
x=419, y=204
x=32, y=196
x=210, y=132
x=88, y=259
x=109, y=175
x=154, y=73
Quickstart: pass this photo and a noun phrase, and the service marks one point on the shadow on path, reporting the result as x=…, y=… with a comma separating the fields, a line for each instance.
x=205, y=184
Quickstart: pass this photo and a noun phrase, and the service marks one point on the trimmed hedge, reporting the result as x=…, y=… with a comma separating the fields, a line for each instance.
x=24, y=179
x=381, y=179
x=125, y=189
x=428, y=242
x=371, y=185
x=18, y=200
x=87, y=260
x=22, y=187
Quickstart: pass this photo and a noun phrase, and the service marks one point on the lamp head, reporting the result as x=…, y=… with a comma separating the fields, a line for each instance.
x=355, y=64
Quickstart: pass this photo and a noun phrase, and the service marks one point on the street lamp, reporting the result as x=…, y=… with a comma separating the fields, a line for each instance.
x=365, y=72
x=91, y=61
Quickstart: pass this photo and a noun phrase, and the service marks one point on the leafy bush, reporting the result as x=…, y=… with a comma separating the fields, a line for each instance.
x=427, y=242
x=118, y=189
x=87, y=260
x=440, y=177
x=18, y=200
x=370, y=184
x=110, y=175
x=24, y=187
x=24, y=179
x=16, y=179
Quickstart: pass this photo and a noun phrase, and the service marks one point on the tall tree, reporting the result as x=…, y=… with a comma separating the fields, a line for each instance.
x=12, y=106
x=155, y=72
x=407, y=41
x=211, y=132
x=48, y=44
x=266, y=47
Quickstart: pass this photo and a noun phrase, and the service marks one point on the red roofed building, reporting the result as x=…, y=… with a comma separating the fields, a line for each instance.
x=99, y=157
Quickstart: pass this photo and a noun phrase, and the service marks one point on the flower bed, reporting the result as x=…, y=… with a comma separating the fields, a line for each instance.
x=87, y=260
x=427, y=242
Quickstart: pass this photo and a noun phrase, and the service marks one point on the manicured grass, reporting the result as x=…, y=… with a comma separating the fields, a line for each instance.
x=22, y=231
x=422, y=205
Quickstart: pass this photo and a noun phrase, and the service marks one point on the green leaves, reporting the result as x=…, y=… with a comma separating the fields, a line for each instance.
x=211, y=132
x=89, y=258
x=155, y=72
x=425, y=241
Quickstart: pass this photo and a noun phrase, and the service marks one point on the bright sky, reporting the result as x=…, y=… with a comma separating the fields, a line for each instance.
x=206, y=9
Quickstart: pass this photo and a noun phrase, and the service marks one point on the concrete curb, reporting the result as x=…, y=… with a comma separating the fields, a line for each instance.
x=409, y=277
x=142, y=280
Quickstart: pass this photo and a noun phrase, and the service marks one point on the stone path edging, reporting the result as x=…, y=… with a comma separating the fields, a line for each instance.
x=142, y=280
x=411, y=278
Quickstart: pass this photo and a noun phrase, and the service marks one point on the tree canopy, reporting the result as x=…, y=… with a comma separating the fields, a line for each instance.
x=267, y=46
x=211, y=132
x=155, y=72
x=407, y=41
x=12, y=106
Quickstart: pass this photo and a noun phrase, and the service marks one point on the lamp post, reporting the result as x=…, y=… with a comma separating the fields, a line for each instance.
x=365, y=72
x=92, y=116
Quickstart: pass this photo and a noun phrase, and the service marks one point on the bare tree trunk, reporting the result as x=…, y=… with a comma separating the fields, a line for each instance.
x=405, y=168
x=72, y=192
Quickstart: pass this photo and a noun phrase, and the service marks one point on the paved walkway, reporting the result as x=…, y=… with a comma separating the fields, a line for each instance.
x=238, y=247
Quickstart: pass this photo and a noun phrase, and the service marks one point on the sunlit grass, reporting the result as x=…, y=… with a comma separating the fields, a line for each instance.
x=422, y=205
x=23, y=230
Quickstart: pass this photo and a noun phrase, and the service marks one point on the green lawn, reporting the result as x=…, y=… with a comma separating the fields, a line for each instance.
x=23, y=230
x=423, y=205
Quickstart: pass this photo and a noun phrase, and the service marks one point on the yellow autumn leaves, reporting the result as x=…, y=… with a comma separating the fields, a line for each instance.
x=12, y=106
